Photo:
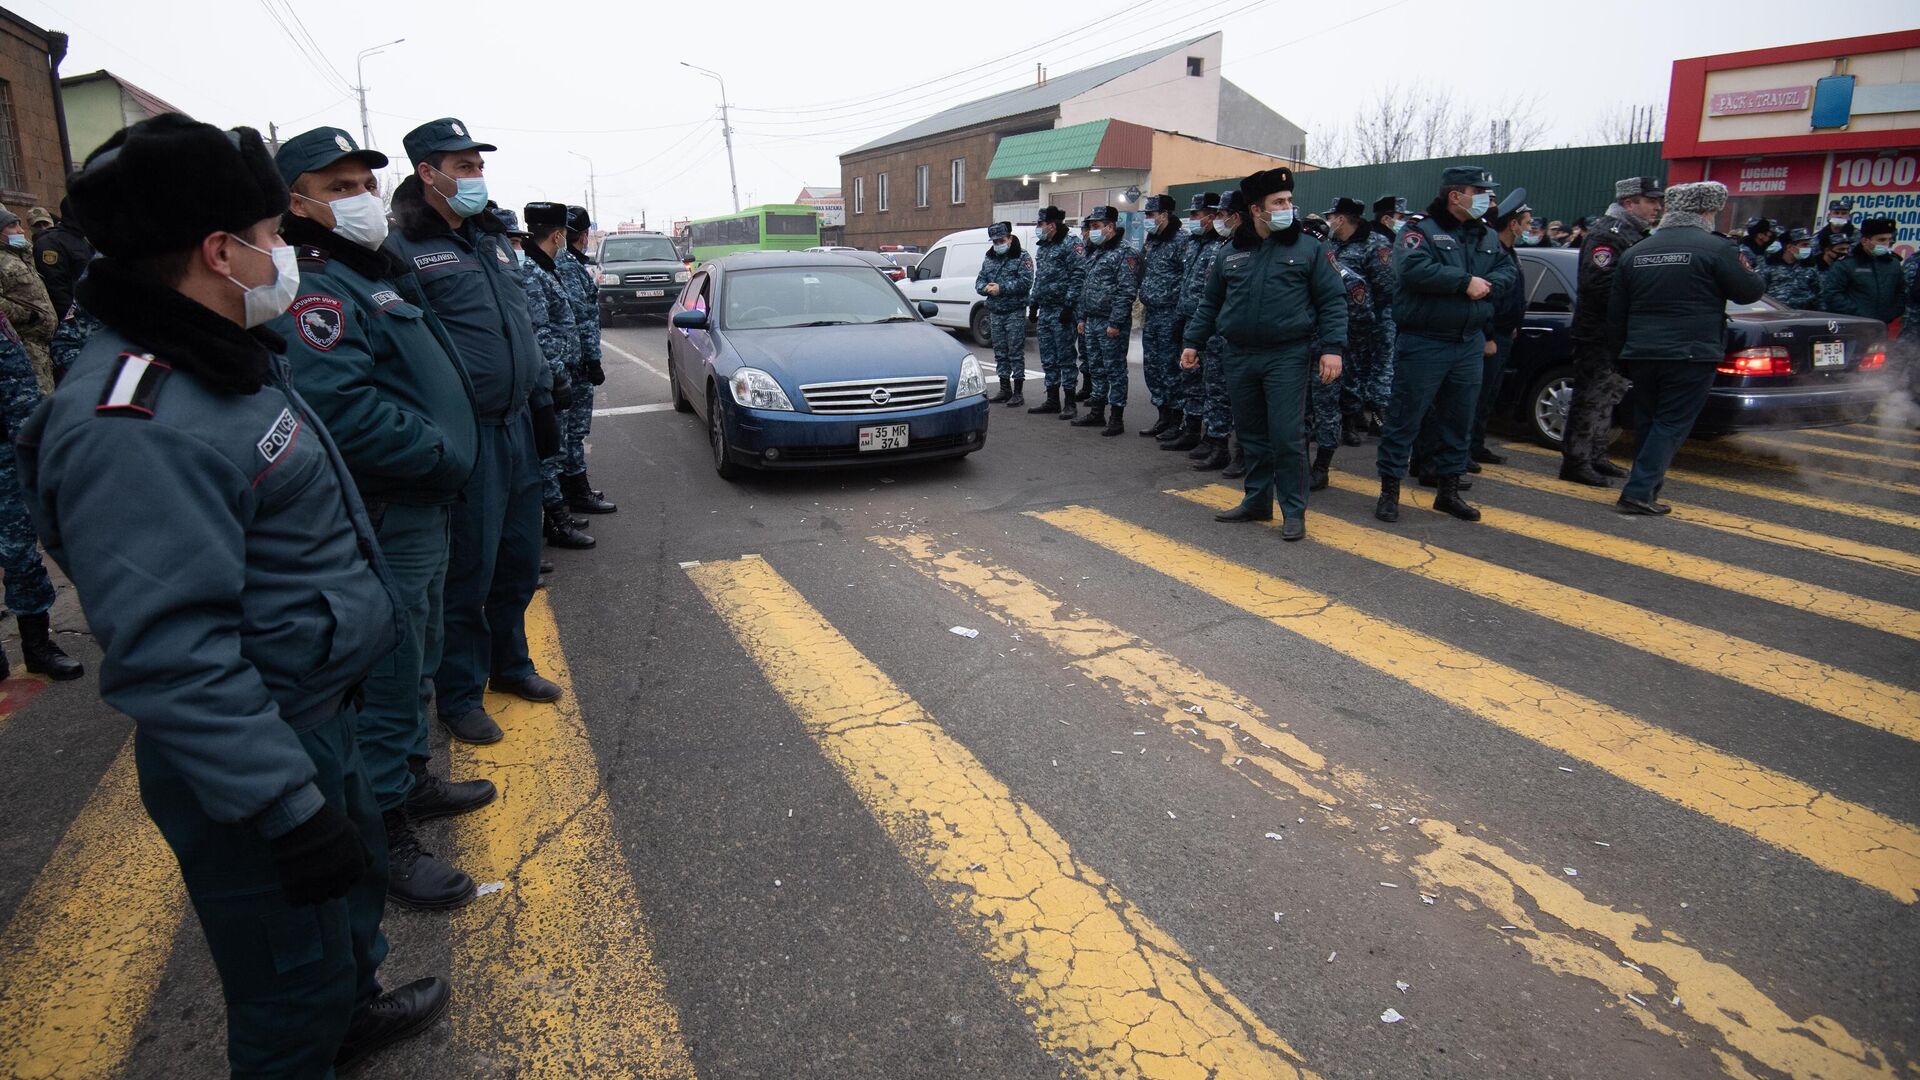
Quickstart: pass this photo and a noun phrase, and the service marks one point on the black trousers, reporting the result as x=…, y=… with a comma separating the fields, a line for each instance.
x=1667, y=398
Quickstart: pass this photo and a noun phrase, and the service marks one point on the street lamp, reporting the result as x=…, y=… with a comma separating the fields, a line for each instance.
x=593, y=189
x=726, y=128
x=360, y=87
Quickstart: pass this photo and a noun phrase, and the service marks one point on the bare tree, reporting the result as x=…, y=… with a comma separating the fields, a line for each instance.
x=1624, y=122
x=1425, y=121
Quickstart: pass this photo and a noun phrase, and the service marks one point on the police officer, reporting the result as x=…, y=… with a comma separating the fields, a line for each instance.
x=29, y=591
x=1189, y=394
x=1366, y=380
x=1597, y=385
x=1867, y=282
x=1083, y=347
x=1056, y=288
x=1325, y=422
x=1218, y=451
x=61, y=253
x=233, y=580
x=1389, y=217
x=559, y=337
x=577, y=423
x=1667, y=314
x=1006, y=280
x=1276, y=299
x=1759, y=243
x=1839, y=222
x=1514, y=221
x=472, y=281
x=1106, y=317
x=24, y=299
x=379, y=371
x=1162, y=262
x=1450, y=267
x=1536, y=234
x=1792, y=277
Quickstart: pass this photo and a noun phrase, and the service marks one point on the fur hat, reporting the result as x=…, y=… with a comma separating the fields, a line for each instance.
x=166, y=183
x=1050, y=213
x=578, y=220
x=1705, y=198
x=1874, y=226
x=1266, y=182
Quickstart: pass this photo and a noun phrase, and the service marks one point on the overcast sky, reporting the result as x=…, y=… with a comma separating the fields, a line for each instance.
x=808, y=81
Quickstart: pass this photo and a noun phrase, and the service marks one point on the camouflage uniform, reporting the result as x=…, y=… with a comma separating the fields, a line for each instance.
x=559, y=336
x=1082, y=344
x=24, y=301
x=1106, y=300
x=1057, y=268
x=1597, y=385
x=1907, y=346
x=577, y=420
x=1796, y=284
x=1161, y=270
x=1214, y=405
x=74, y=331
x=1325, y=398
x=1191, y=396
x=1007, y=311
x=29, y=590
x=1367, y=380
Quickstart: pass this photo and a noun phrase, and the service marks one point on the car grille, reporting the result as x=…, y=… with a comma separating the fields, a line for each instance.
x=636, y=279
x=875, y=395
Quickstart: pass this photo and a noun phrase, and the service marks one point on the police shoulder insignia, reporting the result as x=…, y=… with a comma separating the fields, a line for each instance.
x=1412, y=238
x=279, y=436
x=500, y=252
x=133, y=385
x=51, y=257
x=1385, y=253
x=1357, y=293
x=1602, y=256
x=319, y=321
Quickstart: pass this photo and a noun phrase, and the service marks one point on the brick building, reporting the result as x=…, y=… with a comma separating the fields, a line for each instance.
x=34, y=156
x=931, y=177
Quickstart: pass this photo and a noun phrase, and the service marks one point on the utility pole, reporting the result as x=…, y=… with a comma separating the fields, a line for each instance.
x=273, y=137
x=726, y=129
x=593, y=186
x=360, y=88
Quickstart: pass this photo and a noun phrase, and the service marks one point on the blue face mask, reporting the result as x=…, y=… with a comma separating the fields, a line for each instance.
x=1191, y=226
x=1000, y=247
x=1096, y=237
x=17, y=240
x=1883, y=249
x=1774, y=248
x=1804, y=252
x=1280, y=219
x=469, y=196
x=1398, y=225
x=1481, y=203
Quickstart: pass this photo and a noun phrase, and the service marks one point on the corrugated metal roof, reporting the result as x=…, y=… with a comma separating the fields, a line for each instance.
x=1057, y=150
x=1051, y=94
x=1565, y=183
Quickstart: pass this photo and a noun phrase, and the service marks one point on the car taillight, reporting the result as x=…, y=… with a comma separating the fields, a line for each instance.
x=1762, y=360
x=1876, y=357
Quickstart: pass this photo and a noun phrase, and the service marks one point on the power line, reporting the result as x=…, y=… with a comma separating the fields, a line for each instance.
x=551, y=130
x=314, y=60
x=694, y=129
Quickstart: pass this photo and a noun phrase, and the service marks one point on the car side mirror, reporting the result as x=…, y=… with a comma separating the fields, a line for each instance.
x=691, y=319
x=920, y=274
x=927, y=308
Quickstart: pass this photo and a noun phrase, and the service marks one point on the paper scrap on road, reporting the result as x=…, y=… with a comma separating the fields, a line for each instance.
x=964, y=631
x=1331, y=955
x=1569, y=871
x=1427, y=900
x=1275, y=836
x=1402, y=985
x=1391, y=1016
x=489, y=888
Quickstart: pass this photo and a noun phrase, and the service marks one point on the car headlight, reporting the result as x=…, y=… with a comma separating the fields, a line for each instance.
x=609, y=279
x=756, y=389
x=970, y=380
x=681, y=277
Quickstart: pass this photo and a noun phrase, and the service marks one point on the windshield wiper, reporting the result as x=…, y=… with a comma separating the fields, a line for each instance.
x=893, y=318
x=820, y=322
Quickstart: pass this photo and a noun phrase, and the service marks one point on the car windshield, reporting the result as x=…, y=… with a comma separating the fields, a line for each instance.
x=637, y=249
x=810, y=296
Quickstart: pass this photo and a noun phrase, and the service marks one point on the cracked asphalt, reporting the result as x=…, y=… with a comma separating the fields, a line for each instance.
x=1574, y=796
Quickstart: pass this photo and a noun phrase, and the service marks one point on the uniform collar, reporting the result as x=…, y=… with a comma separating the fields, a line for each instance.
x=178, y=331
x=306, y=233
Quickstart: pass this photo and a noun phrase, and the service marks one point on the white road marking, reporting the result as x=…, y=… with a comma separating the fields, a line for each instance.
x=629, y=410
x=605, y=344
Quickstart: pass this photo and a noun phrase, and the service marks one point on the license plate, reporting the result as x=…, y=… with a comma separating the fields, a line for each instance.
x=644, y=293
x=884, y=437
x=1829, y=354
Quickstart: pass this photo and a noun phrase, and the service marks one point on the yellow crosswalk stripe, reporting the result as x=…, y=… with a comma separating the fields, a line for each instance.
x=1106, y=988
x=1740, y=442
x=557, y=969
x=1829, y=433
x=85, y=950
x=1844, y=837
x=1559, y=927
x=1838, y=547
x=1695, y=451
x=1846, y=694
x=1908, y=431
x=1865, y=511
x=1787, y=592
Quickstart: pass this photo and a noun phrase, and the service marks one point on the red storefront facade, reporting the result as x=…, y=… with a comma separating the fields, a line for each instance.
x=1787, y=129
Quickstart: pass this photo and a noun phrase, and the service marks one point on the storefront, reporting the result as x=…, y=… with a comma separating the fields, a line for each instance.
x=1790, y=128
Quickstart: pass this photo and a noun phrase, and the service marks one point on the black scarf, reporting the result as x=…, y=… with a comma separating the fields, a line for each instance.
x=540, y=258
x=375, y=264
x=177, y=331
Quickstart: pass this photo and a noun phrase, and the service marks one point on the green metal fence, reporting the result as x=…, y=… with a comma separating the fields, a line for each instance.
x=1566, y=183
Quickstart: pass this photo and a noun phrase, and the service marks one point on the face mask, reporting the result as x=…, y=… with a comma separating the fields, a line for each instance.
x=1001, y=248
x=359, y=218
x=264, y=303
x=1883, y=249
x=17, y=240
x=1221, y=227
x=1096, y=237
x=1773, y=248
x=1803, y=252
x=1192, y=226
x=1397, y=226
x=1481, y=203
x=1280, y=219
x=469, y=196
x=520, y=257
x=1838, y=220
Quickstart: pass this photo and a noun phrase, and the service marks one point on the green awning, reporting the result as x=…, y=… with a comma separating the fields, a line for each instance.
x=1067, y=149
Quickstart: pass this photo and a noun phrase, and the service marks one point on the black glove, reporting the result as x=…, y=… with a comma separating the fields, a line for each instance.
x=1066, y=317
x=320, y=858
x=562, y=391
x=546, y=432
x=596, y=374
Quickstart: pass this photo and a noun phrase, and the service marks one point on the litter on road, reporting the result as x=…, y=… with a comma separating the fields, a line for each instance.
x=964, y=631
x=1391, y=1016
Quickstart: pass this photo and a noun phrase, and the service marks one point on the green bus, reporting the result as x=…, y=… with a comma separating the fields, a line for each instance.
x=774, y=227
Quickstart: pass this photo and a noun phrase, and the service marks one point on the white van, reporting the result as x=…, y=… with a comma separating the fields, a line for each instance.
x=945, y=276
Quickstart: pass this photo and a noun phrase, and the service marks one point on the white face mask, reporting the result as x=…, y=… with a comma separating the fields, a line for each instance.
x=1221, y=227
x=264, y=303
x=359, y=218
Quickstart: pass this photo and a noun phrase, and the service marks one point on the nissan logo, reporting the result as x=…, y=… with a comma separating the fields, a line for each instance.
x=880, y=395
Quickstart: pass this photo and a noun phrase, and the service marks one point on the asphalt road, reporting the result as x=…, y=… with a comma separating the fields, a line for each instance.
x=1561, y=794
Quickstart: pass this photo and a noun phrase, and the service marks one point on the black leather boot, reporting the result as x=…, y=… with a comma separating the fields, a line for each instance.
x=1581, y=472
x=1191, y=434
x=1167, y=417
x=560, y=534
x=1086, y=386
x=1236, y=463
x=1487, y=457
x=1096, y=415
x=1051, y=405
x=416, y=878
x=433, y=797
x=1387, y=507
x=1116, y=421
x=1604, y=467
x=582, y=499
x=1217, y=456
x=42, y=656
x=1068, y=408
x=1019, y=393
x=1351, y=426
x=1317, y=478
x=391, y=1017
x=1448, y=500
x=1006, y=391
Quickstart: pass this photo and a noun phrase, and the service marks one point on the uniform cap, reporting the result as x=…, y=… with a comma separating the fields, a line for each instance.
x=1232, y=202
x=1100, y=213
x=541, y=215
x=438, y=137
x=509, y=219
x=1799, y=236
x=1161, y=204
x=1266, y=182
x=166, y=183
x=1466, y=176
x=1514, y=202
x=1389, y=204
x=8, y=217
x=578, y=220
x=1759, y=224
x=1050, y=213
x=1841, y=206
x=1347, y=206
x=311, y=151
x=1649, y=186
x=39, y=217
x=1205, y=200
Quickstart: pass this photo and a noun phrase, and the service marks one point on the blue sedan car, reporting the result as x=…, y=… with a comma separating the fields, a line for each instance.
x=800, y=359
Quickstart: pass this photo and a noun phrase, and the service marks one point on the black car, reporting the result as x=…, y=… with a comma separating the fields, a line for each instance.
x=1784, y=368
x=640, y=274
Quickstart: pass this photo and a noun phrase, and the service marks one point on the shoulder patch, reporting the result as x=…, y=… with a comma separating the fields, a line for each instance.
x=279, y=436
x=51, y=257
x=1601, y=256
x=133, y=385
x=500, y=253
x=1412, y=238
x=319, y=321
x=1385, y=252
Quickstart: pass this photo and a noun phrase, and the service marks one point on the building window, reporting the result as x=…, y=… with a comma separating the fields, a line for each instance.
x=958, y=169
x=859, y=194
x=880, y=193
x=10, y=177
x=1196, y=66
x=922, y=185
